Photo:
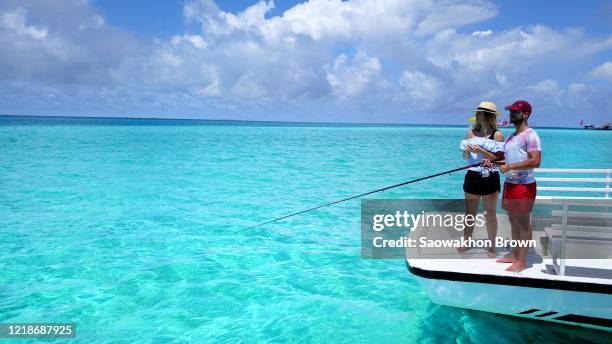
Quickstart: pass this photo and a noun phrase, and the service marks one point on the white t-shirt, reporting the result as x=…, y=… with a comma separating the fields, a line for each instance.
x=516, y=149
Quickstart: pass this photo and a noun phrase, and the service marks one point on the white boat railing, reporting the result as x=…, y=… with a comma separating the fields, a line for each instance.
x=575, y=187
x=594, y=182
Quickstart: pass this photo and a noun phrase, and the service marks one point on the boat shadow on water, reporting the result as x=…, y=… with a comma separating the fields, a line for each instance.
x=451, y=324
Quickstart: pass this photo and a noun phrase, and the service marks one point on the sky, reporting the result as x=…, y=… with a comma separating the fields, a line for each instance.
x=382, y=61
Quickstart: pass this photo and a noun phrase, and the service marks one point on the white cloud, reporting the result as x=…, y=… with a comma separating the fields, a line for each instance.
x=482, y=33
x=196, y=40
x=546, y=90
x=545, y=87
x=60, y=43
x=443, y=15
x=337, y=19
x=420, y=87
x=15, y=21
x=356, y=79
x=512, y=49
x=603, y=71
x=502, y=79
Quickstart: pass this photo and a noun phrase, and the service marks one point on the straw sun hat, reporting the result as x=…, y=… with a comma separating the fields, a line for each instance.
x=488, y=107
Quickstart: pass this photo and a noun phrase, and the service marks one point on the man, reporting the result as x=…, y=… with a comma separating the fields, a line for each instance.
x=523, y=153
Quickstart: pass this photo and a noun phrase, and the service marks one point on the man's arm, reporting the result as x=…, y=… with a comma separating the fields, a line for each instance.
x=534, y=155
x=490, y=162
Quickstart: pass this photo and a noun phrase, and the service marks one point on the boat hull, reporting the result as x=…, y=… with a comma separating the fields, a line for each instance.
x=590, y=307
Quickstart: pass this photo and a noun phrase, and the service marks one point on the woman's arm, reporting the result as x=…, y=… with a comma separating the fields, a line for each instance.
x=486, y=153
x=466, y=153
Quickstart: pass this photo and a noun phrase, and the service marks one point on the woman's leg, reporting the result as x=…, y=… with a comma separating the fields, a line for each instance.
x=490, y=207
x=471, y=207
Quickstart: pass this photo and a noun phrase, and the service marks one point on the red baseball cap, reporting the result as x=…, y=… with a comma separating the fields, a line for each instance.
x=519, y=105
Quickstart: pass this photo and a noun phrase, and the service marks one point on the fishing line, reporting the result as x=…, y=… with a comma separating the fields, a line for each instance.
x=365, y=194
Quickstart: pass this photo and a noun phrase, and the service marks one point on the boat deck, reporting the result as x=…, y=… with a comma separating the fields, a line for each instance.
x=476, y=262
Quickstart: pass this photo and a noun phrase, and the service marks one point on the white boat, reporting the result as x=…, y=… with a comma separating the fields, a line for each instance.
x=568, y=279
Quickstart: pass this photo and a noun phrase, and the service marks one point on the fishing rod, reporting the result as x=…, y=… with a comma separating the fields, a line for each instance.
x=367, y=193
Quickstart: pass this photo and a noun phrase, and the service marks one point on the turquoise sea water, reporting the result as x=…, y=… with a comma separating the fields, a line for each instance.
x=128, y=228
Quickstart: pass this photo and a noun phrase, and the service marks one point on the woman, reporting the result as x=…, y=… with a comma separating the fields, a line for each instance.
x=481, y=182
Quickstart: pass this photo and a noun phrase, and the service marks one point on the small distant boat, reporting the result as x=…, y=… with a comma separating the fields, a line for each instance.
x=605, y=126
x=504, y=124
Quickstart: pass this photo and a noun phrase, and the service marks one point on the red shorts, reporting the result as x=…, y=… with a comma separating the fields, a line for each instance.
x=519, y=198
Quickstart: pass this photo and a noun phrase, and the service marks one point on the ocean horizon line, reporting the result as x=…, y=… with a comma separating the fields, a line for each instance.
x=285, y=123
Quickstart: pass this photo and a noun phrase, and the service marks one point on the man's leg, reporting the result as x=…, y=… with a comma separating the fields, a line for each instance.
x=525, y=233
x=514, y=226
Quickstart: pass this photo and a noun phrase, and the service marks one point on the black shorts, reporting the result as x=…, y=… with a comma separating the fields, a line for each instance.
x=476, y=184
